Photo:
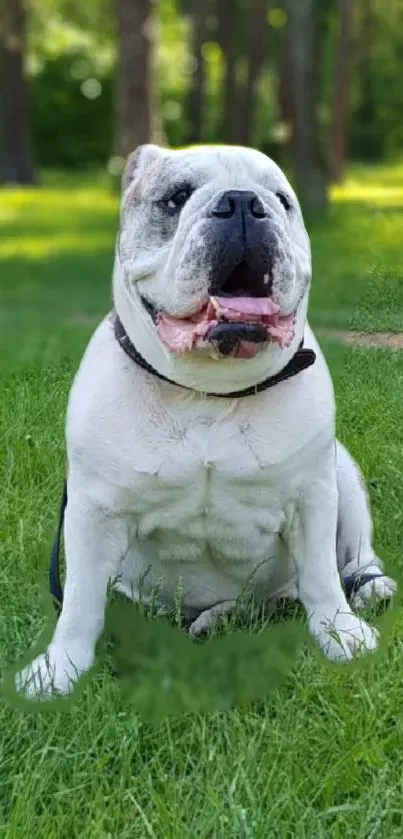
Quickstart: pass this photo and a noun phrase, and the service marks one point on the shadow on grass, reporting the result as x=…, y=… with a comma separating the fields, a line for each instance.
x=161, y=672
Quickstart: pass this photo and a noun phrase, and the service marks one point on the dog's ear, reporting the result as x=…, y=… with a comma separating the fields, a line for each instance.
x=136, y=161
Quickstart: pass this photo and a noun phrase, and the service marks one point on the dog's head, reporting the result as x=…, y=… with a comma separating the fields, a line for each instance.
x=213, y=248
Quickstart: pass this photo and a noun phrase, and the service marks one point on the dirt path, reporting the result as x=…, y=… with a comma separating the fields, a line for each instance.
x=388, y=340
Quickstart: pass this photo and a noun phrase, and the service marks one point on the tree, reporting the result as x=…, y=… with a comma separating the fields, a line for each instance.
x=339, y=144
x=257, y=54
x=304, y=42
x=285, y=74
x=227, y=37
x=16, y=164
x=136, y=113
x=369, y=138
x=195, y=106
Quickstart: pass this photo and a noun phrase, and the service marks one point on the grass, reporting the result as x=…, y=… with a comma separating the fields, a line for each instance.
x=321, y=755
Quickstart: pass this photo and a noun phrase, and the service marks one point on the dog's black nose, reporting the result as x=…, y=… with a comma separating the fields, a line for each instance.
x=238, y=202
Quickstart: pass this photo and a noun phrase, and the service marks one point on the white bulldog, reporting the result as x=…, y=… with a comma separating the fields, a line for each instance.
x=177, y=479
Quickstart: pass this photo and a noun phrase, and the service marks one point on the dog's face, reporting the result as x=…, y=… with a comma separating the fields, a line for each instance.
x=215, y=240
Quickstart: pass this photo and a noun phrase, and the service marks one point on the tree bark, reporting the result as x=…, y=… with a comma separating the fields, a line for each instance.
x=257, y=54
x=227, y=36
x=285, y=92
x=195, y=105
x=16, y=166
x=309, y=171
x=135, y=74
x=366, y=109
x=339, y=146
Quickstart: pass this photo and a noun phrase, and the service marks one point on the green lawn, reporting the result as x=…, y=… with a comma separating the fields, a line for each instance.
x=322, y=755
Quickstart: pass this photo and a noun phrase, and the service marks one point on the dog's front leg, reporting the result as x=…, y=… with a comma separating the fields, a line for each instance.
x=312, y=542
x=95, y=545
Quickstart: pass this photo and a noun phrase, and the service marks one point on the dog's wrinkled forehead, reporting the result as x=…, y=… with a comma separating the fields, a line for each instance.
x=151, y=171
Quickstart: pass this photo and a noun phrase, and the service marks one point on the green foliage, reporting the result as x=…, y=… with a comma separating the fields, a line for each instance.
x=376, y=130
x=73, y=109
x=74, y=130
x=71, y=62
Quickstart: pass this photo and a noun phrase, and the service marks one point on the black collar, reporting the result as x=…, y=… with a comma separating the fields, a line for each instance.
x=302, y=359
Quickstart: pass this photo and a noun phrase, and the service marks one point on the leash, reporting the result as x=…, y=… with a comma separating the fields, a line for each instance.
x=54, y=565
x=302, y=359
x=353, y=582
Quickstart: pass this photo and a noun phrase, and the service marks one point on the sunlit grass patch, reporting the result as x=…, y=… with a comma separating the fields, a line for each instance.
x=358, y=249
x=354, y=190
x=40, y=247
x=385, y=174
x=70, y=193
x=74, y=216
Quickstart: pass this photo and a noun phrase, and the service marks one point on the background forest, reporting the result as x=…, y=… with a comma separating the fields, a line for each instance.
x=313, y=83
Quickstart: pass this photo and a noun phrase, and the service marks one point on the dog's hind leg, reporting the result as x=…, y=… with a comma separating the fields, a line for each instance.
x=209, y=619
x=355, y=554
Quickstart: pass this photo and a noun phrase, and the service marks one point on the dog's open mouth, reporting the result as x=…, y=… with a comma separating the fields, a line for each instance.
x=235, y=321
x=236, y=325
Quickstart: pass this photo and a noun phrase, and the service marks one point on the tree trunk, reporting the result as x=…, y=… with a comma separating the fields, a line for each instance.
x=366, y=62
x=16, y=165
x=366, y=110
x=195, y=105
x=257, y=49
x=309, y=171
x=339, y=146
x=135, y=72
x=227, y=36
x=285, y=92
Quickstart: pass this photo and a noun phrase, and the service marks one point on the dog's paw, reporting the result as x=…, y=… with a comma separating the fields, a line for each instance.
x=207, y=621
x=52, y=674
x=343, y=637
x=380, y=589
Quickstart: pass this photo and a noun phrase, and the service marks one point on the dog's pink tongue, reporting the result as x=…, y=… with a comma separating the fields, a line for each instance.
x=183, y=334
x=256, y=306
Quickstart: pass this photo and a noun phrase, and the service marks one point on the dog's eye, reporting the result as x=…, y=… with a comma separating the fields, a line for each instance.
x=284, y=200
x=178, y=199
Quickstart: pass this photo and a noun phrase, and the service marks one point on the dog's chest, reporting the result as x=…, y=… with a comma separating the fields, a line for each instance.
x=205, y=484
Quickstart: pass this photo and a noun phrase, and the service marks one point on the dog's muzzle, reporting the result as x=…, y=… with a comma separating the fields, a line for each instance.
x=244, y=245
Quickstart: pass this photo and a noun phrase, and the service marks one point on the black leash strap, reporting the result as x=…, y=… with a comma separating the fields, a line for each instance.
x=354, y=582
x=54, y=567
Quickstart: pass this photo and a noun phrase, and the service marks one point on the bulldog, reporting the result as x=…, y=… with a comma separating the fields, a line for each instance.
x=201, y=445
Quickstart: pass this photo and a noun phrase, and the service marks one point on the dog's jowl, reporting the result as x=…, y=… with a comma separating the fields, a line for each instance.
x=201, y=423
